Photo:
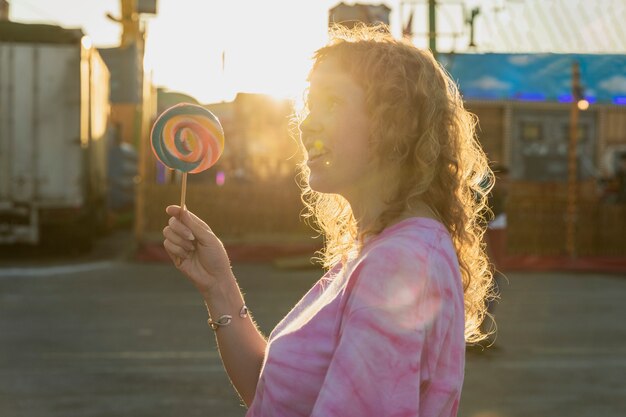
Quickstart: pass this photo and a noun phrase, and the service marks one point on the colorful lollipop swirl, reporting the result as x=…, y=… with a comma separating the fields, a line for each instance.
x=188, y=138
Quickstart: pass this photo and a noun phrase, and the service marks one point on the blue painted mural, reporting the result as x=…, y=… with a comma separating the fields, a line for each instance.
x=537, y=77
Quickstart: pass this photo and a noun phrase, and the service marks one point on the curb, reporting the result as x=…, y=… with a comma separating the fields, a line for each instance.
x=291, y=255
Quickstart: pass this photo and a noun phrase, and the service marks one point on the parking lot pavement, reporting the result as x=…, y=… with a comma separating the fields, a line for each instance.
x=117, y=245
x=130, y=339
x=560, y=351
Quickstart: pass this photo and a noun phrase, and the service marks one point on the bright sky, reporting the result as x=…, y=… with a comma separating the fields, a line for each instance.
x=268, y=44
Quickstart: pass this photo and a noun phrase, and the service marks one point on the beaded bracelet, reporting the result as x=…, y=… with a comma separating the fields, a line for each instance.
x=226, y=319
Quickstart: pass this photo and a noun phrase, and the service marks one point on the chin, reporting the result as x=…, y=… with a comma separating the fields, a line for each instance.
x=321, y=185
x=317, y=185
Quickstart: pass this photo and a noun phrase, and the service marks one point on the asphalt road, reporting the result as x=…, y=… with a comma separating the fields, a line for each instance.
x=100, y=335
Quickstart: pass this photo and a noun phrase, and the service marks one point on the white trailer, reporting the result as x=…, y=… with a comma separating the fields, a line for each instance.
x=54, y=109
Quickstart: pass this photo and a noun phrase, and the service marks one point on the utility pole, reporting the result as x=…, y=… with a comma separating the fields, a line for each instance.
x=4, y=11
x=470, y=20
x=131, y=33
x=432, y=26
x=131, y=30
x=572, y=171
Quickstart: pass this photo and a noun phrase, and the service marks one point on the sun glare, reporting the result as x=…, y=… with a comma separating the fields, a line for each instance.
x=210, y=50
x=257, y=54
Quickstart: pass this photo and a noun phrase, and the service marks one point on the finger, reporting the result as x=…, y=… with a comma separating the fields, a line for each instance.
x=203, y=233
x=175, y=251
x=179, y=228
x=174, y=237
x=173, y=210
x=188, y=218
x=177, y=261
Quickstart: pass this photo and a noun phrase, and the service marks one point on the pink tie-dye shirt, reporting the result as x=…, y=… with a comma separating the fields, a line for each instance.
x=386, y=340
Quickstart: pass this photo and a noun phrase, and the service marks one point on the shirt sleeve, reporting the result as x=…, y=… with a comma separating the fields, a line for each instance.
x=378, y=366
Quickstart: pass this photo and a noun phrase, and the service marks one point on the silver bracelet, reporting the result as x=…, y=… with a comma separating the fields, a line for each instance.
x=226, y=319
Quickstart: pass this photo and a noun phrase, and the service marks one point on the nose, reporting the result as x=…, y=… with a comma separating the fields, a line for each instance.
x=308, y=127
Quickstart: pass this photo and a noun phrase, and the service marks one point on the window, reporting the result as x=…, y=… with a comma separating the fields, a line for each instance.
x=531, y=131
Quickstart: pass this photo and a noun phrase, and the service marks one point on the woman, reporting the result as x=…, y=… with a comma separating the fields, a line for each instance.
x=393, y=179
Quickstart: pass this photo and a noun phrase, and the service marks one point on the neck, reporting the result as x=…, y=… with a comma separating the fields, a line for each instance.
x=366, y=215
x=368, y=201
x=368, y=209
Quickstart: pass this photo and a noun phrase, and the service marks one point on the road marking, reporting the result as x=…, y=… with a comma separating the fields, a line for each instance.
x=85, y=369
x=592, y=362
x=578, y=350
x=46, y=271
x=141, y=355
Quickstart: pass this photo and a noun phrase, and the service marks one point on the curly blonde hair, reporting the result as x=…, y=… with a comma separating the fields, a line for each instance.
x=420, y=125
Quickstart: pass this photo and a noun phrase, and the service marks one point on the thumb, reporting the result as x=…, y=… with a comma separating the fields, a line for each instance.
x=183, y=215
x=173, y=211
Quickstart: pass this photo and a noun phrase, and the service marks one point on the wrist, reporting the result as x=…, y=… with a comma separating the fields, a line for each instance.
x=226, y=319
x=223, y=297
x=216, y=286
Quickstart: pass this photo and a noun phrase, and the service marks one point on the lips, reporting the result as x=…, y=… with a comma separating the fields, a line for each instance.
x=314, y=154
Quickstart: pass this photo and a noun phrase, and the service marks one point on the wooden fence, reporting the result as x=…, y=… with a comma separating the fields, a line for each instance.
x=239, y=211
x=536, y=215
x=269, y=212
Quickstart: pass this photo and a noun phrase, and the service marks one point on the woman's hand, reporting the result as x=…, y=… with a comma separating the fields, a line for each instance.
x=195, y=250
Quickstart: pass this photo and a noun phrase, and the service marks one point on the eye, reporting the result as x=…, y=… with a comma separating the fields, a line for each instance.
x=325, y=102
x=311, y=103
x=332, y=102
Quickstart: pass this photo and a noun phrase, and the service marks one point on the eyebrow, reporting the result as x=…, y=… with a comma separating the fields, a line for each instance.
x=333, y=82
x=339, y=89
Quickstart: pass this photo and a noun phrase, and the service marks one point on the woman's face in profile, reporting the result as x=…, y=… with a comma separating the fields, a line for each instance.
x=336, y=133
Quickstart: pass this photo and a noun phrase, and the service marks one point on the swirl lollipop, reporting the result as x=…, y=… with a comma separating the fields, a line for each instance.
x=188, y=138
